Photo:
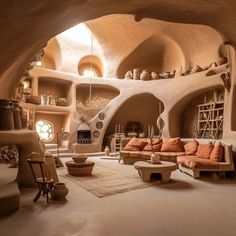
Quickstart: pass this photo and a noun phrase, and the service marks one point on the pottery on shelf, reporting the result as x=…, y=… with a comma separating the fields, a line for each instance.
x=62, y=102
x=145, y=75
x=34, y=100
x=59, y=191
x=154, y=75
x=129, y=75
x=79, y=158
x=136, y=74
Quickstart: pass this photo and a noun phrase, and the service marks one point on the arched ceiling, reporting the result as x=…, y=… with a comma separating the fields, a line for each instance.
x=27, y=25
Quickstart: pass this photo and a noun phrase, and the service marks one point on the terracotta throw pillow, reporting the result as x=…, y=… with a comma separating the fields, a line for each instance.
x=156, y=145
x=135, y=145
x=217, y=152
x=204, y=150
x=191, y=147
x=172, y=145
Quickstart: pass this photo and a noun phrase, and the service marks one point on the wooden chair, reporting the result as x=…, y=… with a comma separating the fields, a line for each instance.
x=44, y=183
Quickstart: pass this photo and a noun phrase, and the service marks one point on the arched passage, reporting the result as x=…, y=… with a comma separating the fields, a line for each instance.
x=143, y=108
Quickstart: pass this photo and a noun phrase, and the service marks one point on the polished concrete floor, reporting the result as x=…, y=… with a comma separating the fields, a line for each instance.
x=185, y=207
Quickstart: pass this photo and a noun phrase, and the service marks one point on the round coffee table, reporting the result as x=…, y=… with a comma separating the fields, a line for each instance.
x=79, y=169
x=145, y=169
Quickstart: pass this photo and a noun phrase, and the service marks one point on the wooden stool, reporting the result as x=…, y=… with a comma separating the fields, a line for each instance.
x=44, y=183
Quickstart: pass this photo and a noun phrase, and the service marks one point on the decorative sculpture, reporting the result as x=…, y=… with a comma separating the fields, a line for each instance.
x=226, y=80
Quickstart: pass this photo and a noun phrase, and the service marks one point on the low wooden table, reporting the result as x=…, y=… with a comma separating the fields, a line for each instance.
x=145, y=169
x=80, y=169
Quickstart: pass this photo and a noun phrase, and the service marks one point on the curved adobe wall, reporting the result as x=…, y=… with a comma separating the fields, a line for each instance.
x=52, y=57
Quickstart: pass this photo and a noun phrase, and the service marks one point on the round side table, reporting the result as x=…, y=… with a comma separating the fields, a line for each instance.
x=145, y=169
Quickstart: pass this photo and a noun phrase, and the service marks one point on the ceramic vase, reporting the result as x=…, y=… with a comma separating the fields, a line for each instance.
x=154, y=75
x=136, y=74
x=107, y=151
x=145, y=75
x=59, y=191
x=155, y=158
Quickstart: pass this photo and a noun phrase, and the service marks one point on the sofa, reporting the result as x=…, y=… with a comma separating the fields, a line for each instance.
x=133, y=154
x=192, y=156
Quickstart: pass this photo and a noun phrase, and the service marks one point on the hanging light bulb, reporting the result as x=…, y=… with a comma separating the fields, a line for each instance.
x=91, y=70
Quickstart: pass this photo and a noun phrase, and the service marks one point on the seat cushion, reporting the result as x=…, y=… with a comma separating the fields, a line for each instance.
x=217, y=152
x=156, y=143
x=172, y=145
x=191, y=147
x=204, y=150
x=124, y=153
x=135, y=144
x=172, y=153
x=182, y=159
x=194, y=162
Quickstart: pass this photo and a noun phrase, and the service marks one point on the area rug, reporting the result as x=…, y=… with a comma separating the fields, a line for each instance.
x=105, y=181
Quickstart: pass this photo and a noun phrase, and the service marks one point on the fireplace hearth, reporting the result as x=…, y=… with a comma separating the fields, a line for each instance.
x=83, y=134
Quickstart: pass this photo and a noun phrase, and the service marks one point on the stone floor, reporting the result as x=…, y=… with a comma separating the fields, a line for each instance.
x=183, y=207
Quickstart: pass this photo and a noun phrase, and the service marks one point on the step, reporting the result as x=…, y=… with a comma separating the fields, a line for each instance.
x=9, y=198
x=63, y=155
x=61, y=150
x=50, y=146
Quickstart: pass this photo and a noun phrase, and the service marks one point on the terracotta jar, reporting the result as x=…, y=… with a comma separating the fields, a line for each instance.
x=136, y=74
x=145, y=75
x=16, y=115
x=59, y=191
x=6, y=114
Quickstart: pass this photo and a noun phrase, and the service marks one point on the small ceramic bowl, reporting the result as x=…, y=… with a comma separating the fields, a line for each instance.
x=79, y=158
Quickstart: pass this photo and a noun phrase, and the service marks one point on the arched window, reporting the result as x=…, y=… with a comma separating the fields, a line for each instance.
x=44, y=129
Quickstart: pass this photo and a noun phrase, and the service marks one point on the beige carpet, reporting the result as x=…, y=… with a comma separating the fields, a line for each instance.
x=105, y=182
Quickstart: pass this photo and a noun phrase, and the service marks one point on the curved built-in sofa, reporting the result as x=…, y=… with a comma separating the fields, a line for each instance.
x=190, y=164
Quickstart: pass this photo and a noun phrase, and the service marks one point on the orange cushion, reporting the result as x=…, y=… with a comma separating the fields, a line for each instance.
x=191, y=147
x=135, y=145
x=172, y=145
x=217, y=152
x=204, y=150
x=156, y=143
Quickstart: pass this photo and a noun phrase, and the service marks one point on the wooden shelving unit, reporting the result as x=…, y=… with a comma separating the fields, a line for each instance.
x=210, y=120
x=118, y=137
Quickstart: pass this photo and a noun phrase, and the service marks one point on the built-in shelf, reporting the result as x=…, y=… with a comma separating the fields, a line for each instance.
x=46, y=109
x=210, y=119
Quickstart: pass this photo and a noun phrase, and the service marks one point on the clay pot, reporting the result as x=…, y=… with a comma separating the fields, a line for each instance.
x=79, y=158
x=6, y=114
x=145, y=75
x=34, y=100
x=136, y=74
x=62, y=102
x=154, y=75
x=59, y=191
x=107, y=151
x=128, y=75
x=16, y=115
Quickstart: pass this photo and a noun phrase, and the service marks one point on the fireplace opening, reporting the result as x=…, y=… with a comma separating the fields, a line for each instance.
x=83, y=136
